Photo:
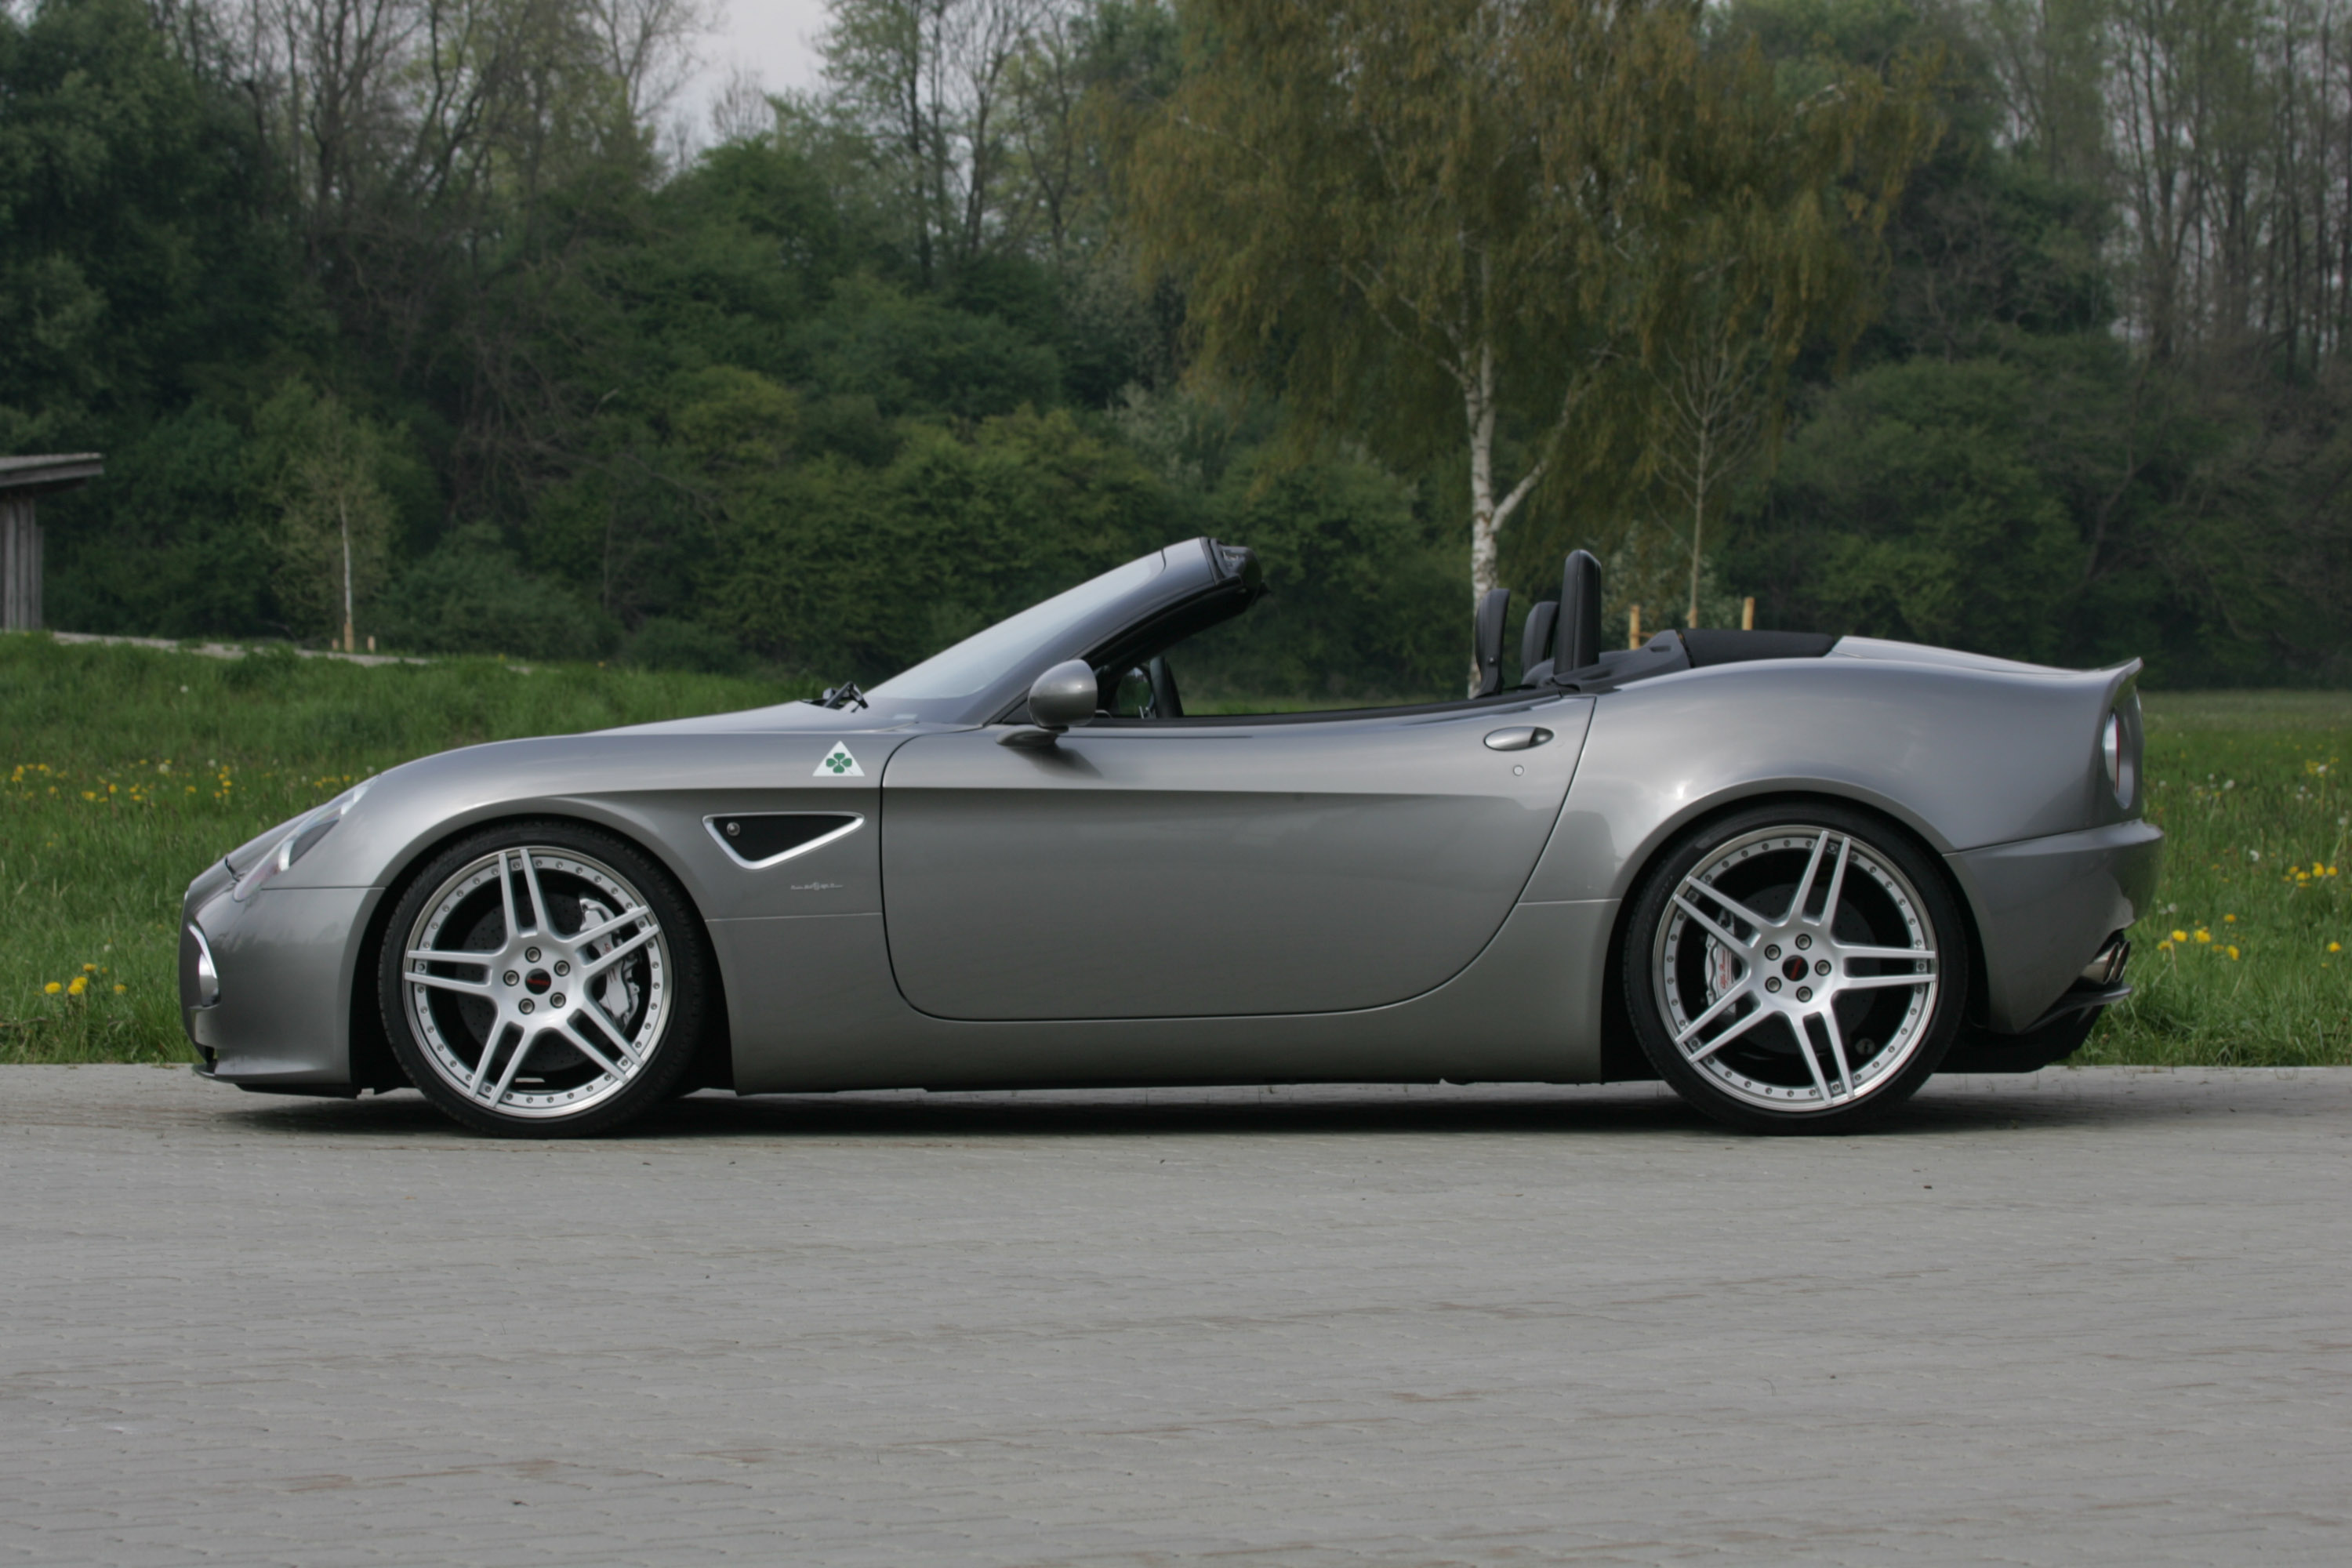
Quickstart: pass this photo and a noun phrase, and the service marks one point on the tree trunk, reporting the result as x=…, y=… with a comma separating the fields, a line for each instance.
x=344, y=517
x=1698, y=521
x=1478, y=408
x=1487, y=515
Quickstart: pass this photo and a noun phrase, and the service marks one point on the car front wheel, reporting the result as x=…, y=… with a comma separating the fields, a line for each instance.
x=540, y=979
x=1795, y=968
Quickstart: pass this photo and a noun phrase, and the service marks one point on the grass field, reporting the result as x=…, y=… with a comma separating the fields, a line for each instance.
x=126, y=770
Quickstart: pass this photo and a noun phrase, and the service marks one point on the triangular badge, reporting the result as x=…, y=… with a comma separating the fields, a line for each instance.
x=839, y=764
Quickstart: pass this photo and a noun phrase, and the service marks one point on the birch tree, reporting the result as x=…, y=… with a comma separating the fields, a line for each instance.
x=1411, y=217
x=333, y=528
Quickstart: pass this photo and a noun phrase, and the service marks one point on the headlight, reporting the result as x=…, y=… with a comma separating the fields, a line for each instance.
x=299, y=843
x=199, y=977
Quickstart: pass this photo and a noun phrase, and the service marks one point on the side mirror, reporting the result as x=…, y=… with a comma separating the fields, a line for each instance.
x=1063, y=696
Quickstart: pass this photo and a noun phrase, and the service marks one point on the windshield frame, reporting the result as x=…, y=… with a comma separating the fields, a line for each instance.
x=1085, y=622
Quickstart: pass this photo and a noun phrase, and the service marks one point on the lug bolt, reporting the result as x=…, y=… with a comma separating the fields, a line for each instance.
x=1773, y=950
x=1804, y=993
x=556, y=1000
x=528, y=1005
x=563, y=968
x=1802, y=942
x=1822, y=967
x=512, y=978
x=530, y=955
x=1773, y=983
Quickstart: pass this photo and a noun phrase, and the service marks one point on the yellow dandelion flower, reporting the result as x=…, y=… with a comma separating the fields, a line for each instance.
x=2233, y=952
x=77, y=984
x=51, y=989
x=2164, y=947
x=120, y=988
x=2230, y=919
x=2335, y=947
x=2204, y=935
x=90, y=969
x=2180, y=936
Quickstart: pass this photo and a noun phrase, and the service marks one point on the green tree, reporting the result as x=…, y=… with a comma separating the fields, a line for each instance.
x=334, y=521
x=1435, y=214
x=137, y=253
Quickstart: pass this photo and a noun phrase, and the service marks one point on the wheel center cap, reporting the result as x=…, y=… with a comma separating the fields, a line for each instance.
x=539, y=982
x=1794, y=969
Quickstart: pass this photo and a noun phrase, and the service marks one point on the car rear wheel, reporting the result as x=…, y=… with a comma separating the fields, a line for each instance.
x=1795, y=968
x=542, y=979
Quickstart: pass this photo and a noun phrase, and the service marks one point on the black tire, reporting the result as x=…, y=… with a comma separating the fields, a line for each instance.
x=1779, y=1019
x=599, y=1054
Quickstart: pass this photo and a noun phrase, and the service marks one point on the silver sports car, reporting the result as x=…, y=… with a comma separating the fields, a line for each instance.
x=1792, y=875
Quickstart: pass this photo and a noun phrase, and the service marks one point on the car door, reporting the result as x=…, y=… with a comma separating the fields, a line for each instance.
x=1215, y=869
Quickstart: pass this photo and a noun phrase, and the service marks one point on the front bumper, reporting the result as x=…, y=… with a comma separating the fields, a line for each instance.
x=2046, y=906
x=284, y=961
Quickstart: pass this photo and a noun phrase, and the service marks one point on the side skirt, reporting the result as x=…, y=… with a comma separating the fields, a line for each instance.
x=813, y=1007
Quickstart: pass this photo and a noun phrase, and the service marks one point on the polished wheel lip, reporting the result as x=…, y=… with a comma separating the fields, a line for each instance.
x=539, y=981
x=1807, y=1003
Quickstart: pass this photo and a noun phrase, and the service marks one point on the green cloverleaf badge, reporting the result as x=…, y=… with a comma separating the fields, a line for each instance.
x=838, y=764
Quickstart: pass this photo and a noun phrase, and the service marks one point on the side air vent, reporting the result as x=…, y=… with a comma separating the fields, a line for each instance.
x=766, y=838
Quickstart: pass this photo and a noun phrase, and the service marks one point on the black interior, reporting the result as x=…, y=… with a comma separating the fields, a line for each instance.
x=1535, y=640
x=1559, y=648
x=1486, y=640
x=1706, y=647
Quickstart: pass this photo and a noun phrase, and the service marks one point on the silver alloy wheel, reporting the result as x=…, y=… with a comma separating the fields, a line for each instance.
x=519, y=1015
x=1795, y=969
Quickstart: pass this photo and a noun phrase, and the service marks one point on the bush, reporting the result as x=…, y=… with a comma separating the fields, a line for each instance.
x=471, y=594
x=666, y=643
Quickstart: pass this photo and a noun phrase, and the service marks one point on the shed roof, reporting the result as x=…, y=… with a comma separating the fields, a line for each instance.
x=53, y=471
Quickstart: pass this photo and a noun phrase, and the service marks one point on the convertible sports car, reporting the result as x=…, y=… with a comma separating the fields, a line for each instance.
x=1792, y=875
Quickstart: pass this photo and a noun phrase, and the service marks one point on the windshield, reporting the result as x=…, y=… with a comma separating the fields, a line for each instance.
x=971, y=664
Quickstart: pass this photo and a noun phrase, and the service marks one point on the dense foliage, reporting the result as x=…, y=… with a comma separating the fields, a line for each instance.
x=879, y=365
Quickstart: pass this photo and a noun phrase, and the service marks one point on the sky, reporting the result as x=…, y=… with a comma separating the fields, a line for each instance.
x=770, y=37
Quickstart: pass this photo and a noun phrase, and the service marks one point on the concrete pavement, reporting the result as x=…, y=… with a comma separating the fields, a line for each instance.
x=2097, y=1316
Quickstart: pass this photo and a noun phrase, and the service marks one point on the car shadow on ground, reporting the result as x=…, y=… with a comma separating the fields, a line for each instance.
x=1642, y=1109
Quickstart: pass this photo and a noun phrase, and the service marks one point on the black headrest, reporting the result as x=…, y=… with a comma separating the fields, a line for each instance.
x=1494, y=611
x=1535, y=642
x=1579, y=612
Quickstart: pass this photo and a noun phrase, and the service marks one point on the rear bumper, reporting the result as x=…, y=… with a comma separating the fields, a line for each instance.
x=2046, y=906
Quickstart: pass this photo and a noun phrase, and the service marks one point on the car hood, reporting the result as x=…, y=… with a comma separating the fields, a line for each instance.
x=782, y=717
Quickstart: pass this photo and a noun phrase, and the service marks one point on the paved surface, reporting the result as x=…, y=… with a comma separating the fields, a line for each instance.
x=2086, y=1317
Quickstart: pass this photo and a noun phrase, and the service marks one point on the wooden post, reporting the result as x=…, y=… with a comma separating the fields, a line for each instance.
x=20, y=565
x=1633, y=627
x=1747, y=614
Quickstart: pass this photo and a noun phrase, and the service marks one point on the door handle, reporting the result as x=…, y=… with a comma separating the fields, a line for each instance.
x=1518, y=740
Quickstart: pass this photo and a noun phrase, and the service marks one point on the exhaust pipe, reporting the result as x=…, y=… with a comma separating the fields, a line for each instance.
x=2108, y=967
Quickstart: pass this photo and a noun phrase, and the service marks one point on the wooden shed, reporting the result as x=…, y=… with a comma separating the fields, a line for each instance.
x=21, y=480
